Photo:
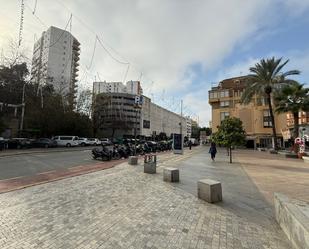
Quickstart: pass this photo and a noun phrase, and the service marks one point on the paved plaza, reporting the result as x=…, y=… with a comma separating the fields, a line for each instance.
x=122, y=207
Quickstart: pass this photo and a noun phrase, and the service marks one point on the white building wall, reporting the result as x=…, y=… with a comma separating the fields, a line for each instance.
x=134, y=87
x=109, y=87
x=52, y=61
x=161, y=120
x=131, y=87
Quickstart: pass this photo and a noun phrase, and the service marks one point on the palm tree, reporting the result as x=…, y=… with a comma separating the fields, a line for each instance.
x=292, y=98
x=264, y=77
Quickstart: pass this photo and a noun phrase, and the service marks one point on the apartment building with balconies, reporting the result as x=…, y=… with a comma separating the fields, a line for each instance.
x=224, y=99
x=55, y=61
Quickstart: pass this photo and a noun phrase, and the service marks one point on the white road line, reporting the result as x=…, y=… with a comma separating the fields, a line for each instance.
x=14, y=178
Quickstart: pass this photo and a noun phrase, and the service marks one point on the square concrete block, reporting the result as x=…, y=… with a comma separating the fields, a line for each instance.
x=171, y=174
x=209, y=190
x=150, y=167
x=133, y=160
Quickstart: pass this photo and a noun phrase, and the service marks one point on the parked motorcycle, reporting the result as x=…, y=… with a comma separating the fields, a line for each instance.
x=102, y=153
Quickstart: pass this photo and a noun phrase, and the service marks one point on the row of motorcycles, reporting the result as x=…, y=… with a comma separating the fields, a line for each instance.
x=126, y=150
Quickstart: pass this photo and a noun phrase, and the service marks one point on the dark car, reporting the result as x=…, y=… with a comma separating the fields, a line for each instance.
x=3, y=143
x=19, y=143
x=44, y=143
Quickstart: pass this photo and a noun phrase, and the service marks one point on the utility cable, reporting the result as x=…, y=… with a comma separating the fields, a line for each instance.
x=65, y=30
x=93, y=52
x=34, y=9
x=126, y=73
x=115, y=59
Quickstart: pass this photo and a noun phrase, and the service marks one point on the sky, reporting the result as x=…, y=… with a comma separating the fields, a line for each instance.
x=178, y=49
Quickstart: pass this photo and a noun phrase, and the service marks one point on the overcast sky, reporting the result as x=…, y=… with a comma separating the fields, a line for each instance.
x=179, y=48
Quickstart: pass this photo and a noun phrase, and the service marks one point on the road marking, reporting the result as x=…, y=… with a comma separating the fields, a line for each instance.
x=46, y=172
x=14, y=178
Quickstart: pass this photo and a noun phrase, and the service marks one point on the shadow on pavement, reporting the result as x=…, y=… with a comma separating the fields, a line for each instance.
x=240, y=195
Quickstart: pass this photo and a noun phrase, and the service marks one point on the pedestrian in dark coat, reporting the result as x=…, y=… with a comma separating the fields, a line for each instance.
x=213, y=151
x=190, y=144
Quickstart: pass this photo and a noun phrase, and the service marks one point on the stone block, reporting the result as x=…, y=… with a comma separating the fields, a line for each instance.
x=133, y=160
x=306, y=159
x=150, y=167
x=209, y=190
x=171, y=174
x=293, y=217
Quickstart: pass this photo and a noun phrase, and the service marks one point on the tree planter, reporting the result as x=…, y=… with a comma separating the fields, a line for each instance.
x=300, y=155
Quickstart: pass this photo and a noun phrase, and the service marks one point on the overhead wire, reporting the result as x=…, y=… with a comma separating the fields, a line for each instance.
x=93, y=53
x=62, y=33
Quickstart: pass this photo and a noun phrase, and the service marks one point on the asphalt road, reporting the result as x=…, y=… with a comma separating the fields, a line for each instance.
x=31, y=164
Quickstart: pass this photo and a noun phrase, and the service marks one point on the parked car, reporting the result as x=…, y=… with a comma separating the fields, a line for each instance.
x=83, y=141
x=19, y=143
x=44, y=143
x=67, y=141
x=94, y=141
x=3, y=143
x=106, y=141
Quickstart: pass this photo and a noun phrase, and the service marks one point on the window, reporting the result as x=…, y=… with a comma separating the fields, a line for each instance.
x=213, y=95
x=224, y=115
x=224, y=103
x=266, y=119
x=146, y=124
x=224, y=94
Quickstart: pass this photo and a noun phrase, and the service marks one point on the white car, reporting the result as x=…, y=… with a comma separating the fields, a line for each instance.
x=67, y=141
x=94, y=141
x=82, y=141
x=106, y=141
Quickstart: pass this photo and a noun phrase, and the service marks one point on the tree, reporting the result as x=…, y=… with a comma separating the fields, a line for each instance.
x=230, y=133
x=84, y=102
x=207, y=129
x=264, y=77
x=292, y=98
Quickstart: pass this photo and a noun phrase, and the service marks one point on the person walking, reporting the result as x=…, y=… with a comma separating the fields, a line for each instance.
x=213, y=151
x=190, y=144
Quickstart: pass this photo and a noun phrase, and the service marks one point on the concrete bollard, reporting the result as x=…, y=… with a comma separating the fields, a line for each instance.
x=209, y=190
x=150, y=164
x=133, y=160
x=170, y=174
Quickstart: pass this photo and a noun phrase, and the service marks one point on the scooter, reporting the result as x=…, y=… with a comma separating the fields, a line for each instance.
x=103, y=153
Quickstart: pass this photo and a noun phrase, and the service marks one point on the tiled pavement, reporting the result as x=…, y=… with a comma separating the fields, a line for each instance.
x=122, y=207
x=275, y=173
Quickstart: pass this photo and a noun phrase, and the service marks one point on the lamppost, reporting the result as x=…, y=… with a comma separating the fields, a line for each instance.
x=22, y=110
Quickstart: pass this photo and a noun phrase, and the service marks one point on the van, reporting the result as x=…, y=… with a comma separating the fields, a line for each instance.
x=67, y=141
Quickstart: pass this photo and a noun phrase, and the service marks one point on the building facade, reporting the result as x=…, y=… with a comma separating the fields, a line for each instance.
x=55, y=61
x=225, y=102
x=116, y=114
x=131, y=87
x=156, y=119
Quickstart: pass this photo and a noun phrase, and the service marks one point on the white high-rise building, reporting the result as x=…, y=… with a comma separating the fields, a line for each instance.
x=131, y=87
x=55, y=61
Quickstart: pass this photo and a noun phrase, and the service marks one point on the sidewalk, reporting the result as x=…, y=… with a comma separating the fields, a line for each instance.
x=122, y=207
x=275, y=173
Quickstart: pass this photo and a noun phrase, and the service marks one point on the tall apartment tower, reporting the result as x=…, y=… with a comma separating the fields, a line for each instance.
x=55, y=61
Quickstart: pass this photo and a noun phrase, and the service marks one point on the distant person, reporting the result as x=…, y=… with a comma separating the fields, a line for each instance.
x=190, y=144
x=213, y=151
